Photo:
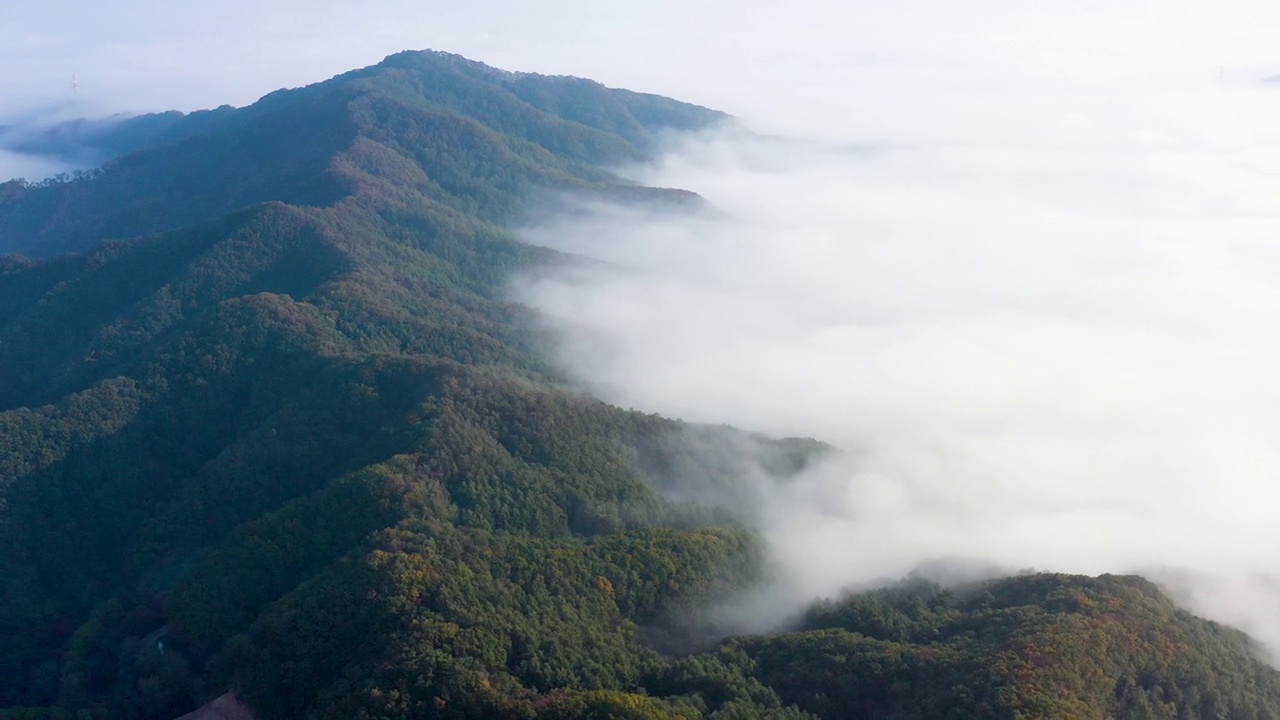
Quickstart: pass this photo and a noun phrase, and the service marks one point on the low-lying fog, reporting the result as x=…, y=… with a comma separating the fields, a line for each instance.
x=1043, y=317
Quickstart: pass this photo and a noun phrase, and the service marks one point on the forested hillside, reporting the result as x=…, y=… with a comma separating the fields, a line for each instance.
x=268, y=424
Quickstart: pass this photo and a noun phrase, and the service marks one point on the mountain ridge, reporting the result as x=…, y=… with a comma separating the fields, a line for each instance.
x=199, y=153
x=271, y=425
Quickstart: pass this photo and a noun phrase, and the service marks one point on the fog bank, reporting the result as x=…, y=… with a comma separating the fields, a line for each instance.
x=1046, y=334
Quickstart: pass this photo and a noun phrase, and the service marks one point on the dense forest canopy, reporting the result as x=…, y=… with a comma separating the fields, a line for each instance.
x=269, y=424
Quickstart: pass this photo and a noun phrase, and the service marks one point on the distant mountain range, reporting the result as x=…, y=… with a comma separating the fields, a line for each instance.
x=273, y=436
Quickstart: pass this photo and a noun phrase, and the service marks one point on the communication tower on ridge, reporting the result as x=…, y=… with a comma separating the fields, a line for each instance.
x=75, y=85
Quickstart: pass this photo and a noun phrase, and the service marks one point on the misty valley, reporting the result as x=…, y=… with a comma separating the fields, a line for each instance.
x=435, y=390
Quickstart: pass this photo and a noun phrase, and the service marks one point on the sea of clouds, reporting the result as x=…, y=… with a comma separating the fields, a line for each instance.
x=1040, y=309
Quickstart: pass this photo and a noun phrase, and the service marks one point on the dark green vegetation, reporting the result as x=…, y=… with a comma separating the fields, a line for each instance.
x=274, y=428
x=1037, y=646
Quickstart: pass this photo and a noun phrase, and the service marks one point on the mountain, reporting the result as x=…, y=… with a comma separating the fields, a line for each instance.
x=487, y=136
x=273, y=436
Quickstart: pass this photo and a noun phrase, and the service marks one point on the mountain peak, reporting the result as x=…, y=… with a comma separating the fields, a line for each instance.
x=171, y=169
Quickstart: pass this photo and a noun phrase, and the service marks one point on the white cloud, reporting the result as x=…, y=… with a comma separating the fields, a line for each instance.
x=1044, y=315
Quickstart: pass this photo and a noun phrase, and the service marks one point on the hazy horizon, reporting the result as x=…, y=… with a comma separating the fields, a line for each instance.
x=789, y=69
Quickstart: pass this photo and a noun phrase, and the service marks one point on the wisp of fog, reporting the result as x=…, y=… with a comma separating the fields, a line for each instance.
x=28, y=167
x=1041, y=318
